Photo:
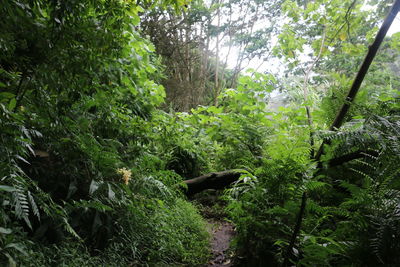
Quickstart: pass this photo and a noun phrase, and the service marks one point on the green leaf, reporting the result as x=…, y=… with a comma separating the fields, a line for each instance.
x=11, y=261
x=6, y=95
x=5, y=231
x=386, y=98
x=111, y=193
x=12, y=104
x=7, y=188
x=94, y=185
x=214, y=110
x=17, y=246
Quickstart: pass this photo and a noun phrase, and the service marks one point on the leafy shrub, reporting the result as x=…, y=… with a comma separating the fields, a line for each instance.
x=77, y=106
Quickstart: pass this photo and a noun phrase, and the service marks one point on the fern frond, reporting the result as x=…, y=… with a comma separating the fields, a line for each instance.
x=21, y=204
x=315, y=185
x=69, y=229
x=35, y=208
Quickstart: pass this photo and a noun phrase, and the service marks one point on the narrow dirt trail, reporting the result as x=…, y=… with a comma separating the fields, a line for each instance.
x=222, y=233
x=211, y=207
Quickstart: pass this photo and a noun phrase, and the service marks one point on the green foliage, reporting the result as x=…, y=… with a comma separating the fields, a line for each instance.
x=262, y=233
x=352, y=211
x=76, y=107
x=91, y=169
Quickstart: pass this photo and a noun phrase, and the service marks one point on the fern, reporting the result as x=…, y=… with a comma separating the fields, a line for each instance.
x=21, y=204
x=373, y=204
x=35, y=209
x=311, y=185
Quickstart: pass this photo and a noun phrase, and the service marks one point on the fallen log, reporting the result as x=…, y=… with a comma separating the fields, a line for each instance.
x=351, y=156
x=214, y=180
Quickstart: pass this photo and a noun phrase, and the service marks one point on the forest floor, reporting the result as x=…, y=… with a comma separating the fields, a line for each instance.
x=222, y=231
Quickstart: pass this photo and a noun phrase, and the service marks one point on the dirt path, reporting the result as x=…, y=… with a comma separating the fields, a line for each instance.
x=222, y=233
x=211, y=207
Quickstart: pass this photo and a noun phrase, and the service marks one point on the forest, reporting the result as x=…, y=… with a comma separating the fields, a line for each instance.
x=199, y=133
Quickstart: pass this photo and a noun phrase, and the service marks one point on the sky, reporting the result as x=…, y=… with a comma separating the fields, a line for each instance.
x=395, y=26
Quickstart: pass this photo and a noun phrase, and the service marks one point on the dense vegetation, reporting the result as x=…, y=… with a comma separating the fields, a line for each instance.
x=107, y=106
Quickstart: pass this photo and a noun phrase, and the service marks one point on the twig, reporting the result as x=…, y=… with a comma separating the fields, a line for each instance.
x=296, y=230
x=305, y=91
x=19, y=96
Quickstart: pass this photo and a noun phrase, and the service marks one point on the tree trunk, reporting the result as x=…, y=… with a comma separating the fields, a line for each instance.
x=214, y=180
